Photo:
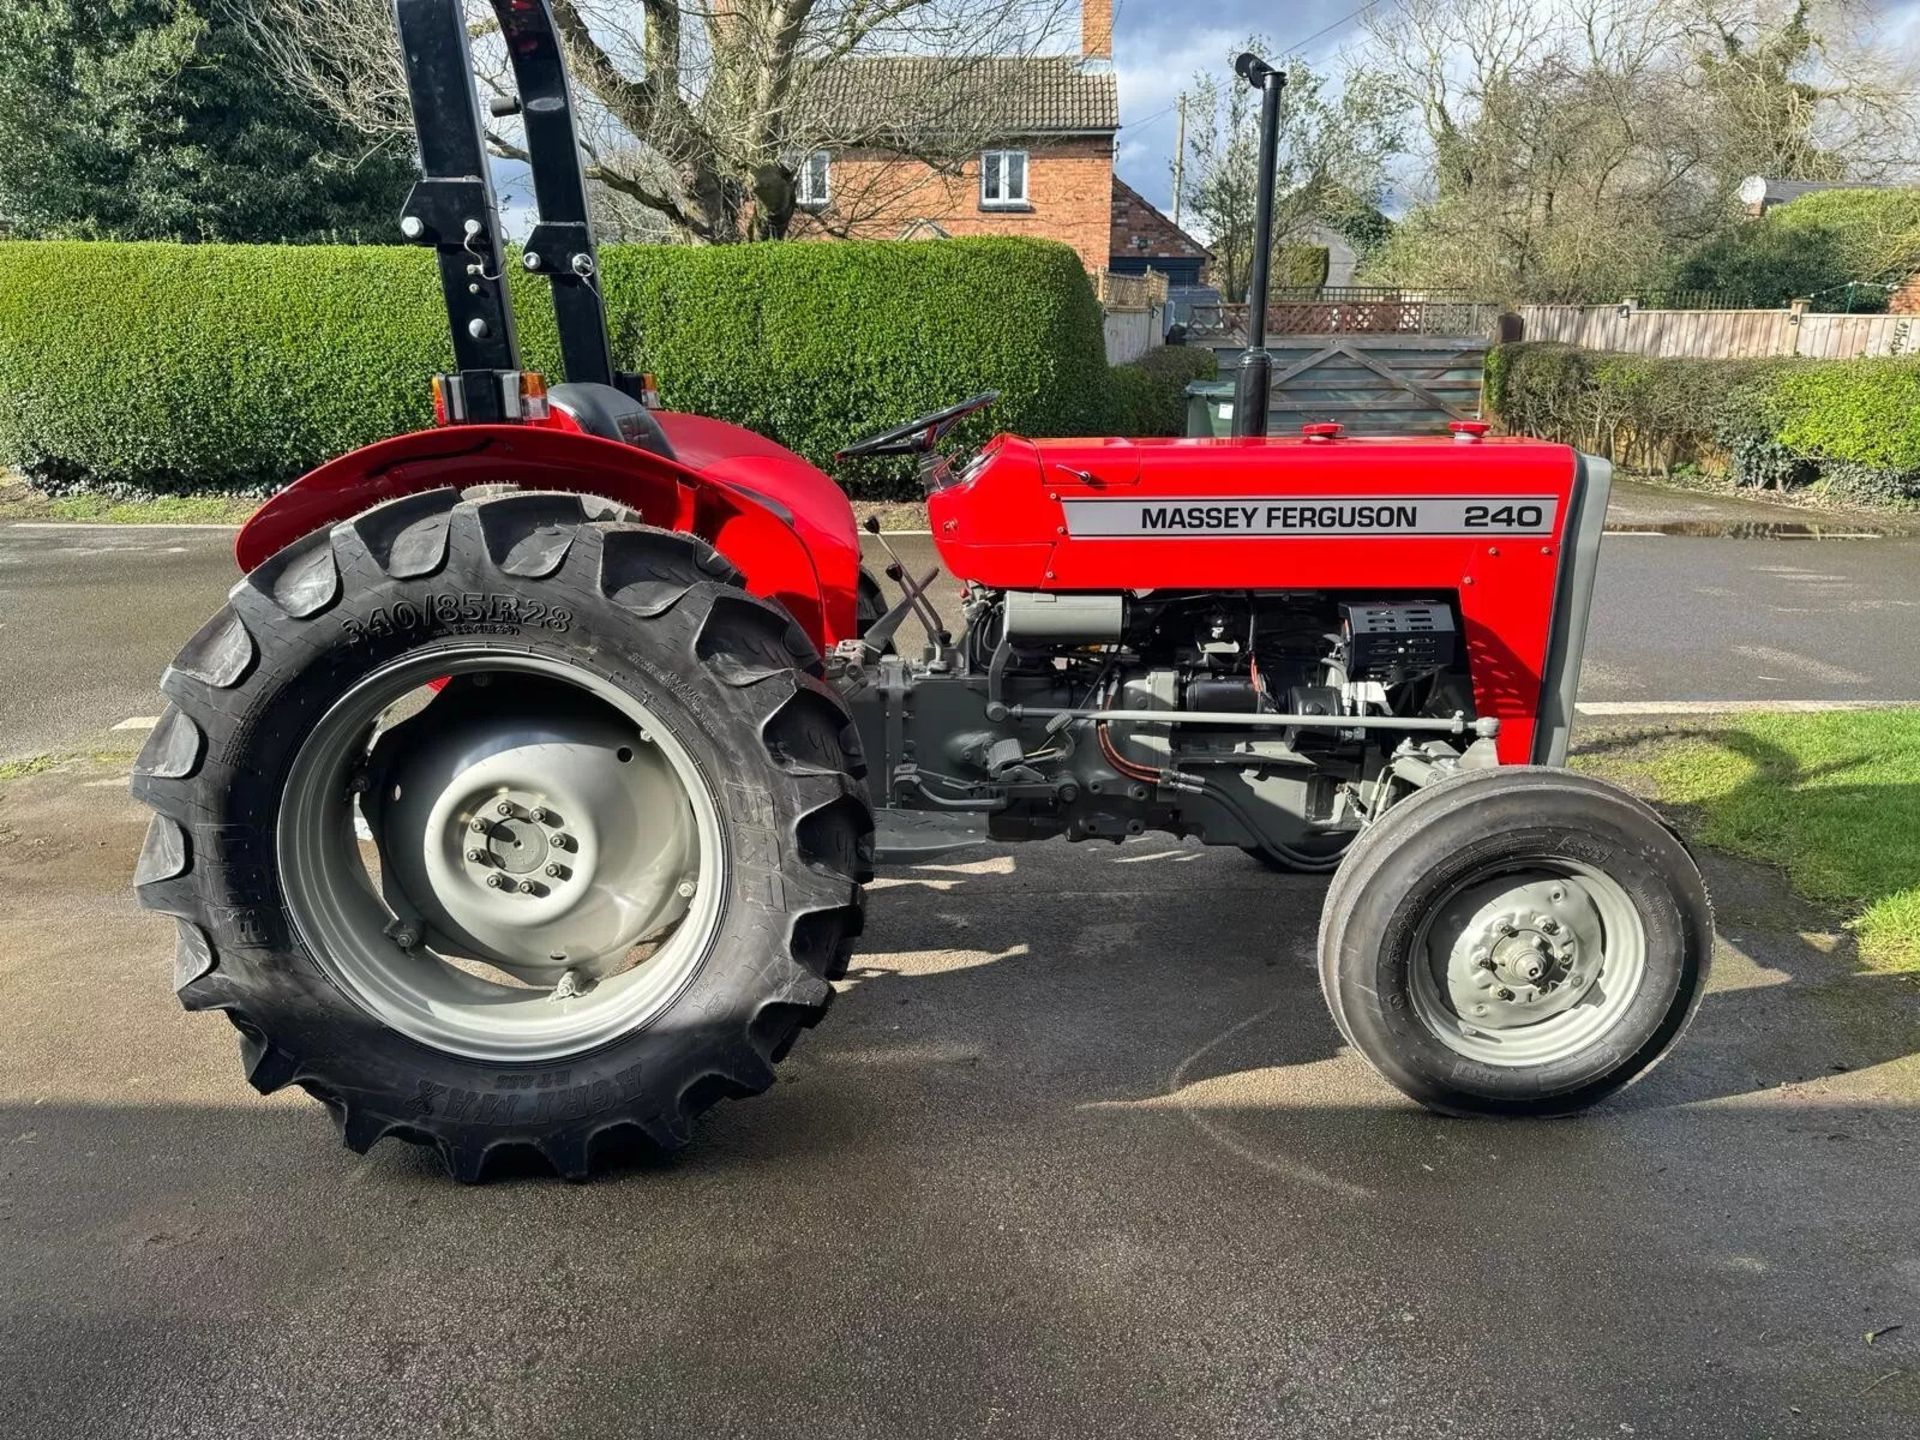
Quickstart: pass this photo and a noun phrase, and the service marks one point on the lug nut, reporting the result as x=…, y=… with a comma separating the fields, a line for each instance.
x=526, y=887
x=537, y=815
x=1504, y=993
x=554, y=871
x=476, y=856
x=496, y=882
x=505, y=807
x=1549, y=927
x=479, y=826
x=685, y=889
x=563, y=842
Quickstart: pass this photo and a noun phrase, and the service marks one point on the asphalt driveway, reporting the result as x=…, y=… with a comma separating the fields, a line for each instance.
x=1077, y=1153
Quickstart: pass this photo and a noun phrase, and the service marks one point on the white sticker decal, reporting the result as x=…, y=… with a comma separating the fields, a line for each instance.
x=1236, y=517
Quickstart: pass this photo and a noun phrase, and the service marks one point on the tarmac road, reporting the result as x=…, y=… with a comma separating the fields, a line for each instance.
x=90, y=616
x=1076, y=1154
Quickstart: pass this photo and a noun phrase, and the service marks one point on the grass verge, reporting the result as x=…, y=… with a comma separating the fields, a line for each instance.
x=1832, y=799
x=19, y=500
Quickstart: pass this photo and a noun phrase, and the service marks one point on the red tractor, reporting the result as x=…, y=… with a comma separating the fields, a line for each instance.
x=522, y=793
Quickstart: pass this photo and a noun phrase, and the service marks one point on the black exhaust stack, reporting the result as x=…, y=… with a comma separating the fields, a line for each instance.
x=453, y=207
x=1254, y=382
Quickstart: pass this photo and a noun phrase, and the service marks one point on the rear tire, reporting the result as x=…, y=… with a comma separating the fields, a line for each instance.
x=578, y=587
x=1521, y=941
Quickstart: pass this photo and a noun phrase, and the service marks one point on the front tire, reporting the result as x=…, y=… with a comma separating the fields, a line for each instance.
x=584, y=649
x=1520, y=941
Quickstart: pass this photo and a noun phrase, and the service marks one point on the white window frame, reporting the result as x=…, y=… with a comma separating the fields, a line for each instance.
x=994, y=163
x=805, y=196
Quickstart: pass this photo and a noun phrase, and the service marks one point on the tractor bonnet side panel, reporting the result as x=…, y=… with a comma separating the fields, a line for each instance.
x=1506, y=529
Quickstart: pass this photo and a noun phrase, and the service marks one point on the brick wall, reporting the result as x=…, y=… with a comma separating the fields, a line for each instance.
x=1140, y=230
x=877, y=196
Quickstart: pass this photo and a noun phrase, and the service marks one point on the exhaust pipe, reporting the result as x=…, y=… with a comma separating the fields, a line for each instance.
x=1255, y=380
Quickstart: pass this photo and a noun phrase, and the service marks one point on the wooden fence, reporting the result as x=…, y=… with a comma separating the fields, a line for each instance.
x=1130, y=292
x=1372, y=384
x=1722, y=334
x=1350, y=310
x=1133, y=313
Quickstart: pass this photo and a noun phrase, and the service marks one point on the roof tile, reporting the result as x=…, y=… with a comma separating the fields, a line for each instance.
x=926, y=96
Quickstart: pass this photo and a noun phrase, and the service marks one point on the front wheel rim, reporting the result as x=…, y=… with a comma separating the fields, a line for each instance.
x=1529, y=965
x=500, y=1006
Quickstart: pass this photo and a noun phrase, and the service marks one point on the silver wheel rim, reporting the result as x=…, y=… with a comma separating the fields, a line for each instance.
x=593, y=819
x=1529, y=966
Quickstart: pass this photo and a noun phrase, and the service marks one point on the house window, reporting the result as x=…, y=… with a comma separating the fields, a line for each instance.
x=1003, y=180
x=814, y=184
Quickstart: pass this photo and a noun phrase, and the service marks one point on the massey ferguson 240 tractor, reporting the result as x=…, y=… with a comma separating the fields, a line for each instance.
x=521, y=795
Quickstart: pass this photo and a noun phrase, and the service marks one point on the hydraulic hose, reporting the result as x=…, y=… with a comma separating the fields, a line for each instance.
x=1195, y=785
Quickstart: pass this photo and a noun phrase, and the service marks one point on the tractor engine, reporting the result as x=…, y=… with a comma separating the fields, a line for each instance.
x=1295, y=698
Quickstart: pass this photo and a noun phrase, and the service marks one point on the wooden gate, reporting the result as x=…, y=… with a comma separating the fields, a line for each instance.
x=1374, y=384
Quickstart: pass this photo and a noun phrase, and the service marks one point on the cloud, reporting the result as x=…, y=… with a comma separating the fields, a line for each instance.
x=1159, y=47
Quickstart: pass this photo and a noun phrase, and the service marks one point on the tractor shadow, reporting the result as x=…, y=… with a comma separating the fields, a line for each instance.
x=1134, y=972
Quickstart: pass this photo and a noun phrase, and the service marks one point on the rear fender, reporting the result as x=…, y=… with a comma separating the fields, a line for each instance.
x=753, y=535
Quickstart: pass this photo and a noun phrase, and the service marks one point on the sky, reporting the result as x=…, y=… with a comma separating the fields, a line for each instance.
x=1159, y=46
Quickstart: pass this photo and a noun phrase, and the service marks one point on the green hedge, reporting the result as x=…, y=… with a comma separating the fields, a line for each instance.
x=170, y=368
x=1150, y=394
x=1812, y=247
x=1850, y=427
x=1301, y=267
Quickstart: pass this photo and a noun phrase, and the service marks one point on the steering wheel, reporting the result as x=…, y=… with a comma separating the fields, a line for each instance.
x=917, y=437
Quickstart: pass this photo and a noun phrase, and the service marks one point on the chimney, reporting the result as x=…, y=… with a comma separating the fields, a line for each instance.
x=1096, y=32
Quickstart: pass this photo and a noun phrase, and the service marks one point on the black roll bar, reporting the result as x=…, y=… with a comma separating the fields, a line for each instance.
x=561, y=246
x=453, y=207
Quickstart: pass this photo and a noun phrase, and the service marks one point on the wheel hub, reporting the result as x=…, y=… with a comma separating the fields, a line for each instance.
x=545, y=841
x=517, y=845
x=1518, y=956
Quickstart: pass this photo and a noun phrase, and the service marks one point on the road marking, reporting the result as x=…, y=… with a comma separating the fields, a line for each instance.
x=1805, y=665
x=138, y=722
x=1600, y=708
x=1283, y=1166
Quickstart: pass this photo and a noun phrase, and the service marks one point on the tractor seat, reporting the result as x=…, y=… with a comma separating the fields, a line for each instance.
x=612, y=415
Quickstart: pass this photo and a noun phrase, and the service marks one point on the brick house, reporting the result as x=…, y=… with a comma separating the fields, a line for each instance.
x=1144, y=239
x=916, y=146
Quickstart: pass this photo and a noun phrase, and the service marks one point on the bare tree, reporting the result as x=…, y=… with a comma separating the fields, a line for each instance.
x=1574, y=149
x=697, y=111
x=1331, y=166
